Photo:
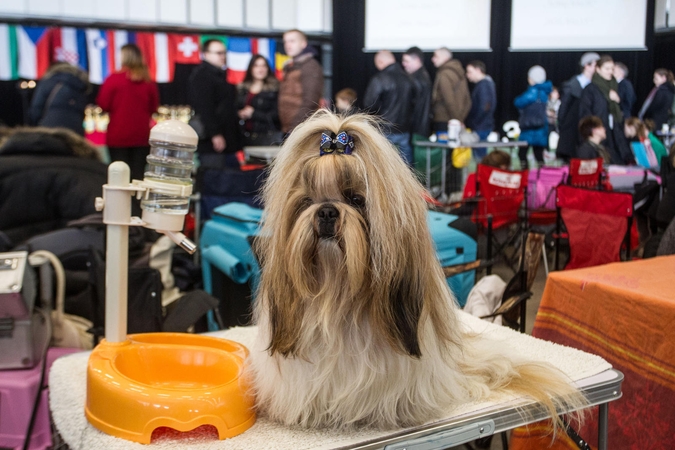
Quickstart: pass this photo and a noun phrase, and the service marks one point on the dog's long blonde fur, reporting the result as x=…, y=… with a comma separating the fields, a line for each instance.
x=358, y=327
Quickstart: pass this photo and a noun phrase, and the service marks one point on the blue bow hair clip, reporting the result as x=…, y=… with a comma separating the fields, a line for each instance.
x=341, y=143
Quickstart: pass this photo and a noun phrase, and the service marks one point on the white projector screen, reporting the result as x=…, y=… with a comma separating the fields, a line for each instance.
x=578, y=25
x=429, y=24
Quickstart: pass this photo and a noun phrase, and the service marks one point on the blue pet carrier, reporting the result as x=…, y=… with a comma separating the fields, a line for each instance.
x=231, y=271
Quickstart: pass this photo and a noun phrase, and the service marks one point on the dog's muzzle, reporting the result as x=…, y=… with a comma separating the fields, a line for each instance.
x=327, y=216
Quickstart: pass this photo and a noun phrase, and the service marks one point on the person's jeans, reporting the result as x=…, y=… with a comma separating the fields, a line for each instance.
x=402, y=141
x=483, y=134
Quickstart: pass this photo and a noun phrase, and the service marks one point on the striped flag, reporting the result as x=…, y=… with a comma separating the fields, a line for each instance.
x=69, y=45
x=9, y=62
x=158, y=57
x=97, y=53
x=266, y=47
x=33, y=45
x=116, y=40
x=238, y=56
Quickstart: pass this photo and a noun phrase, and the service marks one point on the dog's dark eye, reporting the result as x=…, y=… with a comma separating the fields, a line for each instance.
x=357, y=201
x=305, y=203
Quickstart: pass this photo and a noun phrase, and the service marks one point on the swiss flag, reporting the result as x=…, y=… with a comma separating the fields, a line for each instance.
x=185, y=48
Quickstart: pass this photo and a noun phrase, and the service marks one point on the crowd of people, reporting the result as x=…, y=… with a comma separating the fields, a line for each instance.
x=593, y=112
x=600, y=93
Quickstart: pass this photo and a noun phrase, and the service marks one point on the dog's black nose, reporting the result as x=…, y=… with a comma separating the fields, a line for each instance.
x=327, y=215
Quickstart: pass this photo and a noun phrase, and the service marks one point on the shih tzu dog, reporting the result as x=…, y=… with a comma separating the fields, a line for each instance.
x=357, y=325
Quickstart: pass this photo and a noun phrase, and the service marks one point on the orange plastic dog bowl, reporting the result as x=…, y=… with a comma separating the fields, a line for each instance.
x=175, y=380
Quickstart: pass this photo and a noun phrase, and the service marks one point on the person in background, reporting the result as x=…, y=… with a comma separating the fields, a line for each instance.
x=61, y=98
x=552, y=108
x=413, y=64
x=302, y=87
x=345, y=101
x=600, y=99
x=537, y=93
x=213, y=100
x=636, y=131
x=568, y=114
x=658, y=103
x=390, y=95
x=626, y=91
x=481, y=118
x=257, y=103
x=450, y=98
x=130, y=98
x=593, y=133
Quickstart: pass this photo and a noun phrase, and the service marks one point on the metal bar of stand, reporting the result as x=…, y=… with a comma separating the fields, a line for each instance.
x=603, y=425
x=444, y=153
x=428, y=169
x=557, y=238
x=628, y=232
x=489, y=243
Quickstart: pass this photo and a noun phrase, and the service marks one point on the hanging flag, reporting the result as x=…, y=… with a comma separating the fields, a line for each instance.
x=33, y=45
x=116, y=40
x=280, y=61
x=266, y=47
x=185, y=48
x=69, y=45
x=160, y=61
x=9, y=69
x=97, y=55
x=238, y=56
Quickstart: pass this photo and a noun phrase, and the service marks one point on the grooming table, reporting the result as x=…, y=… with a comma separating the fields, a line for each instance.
x=502, y=411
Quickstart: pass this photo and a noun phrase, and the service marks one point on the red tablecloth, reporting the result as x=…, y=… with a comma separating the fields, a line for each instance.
x=624, y=312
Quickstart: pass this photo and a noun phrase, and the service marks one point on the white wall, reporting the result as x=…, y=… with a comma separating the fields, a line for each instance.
x=261, y=15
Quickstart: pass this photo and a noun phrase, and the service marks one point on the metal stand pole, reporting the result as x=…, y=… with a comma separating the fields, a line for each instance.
x=603, y=422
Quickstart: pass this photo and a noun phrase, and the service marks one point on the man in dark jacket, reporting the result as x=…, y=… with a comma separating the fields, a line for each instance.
x=568, y=114
x=390, y=95
x=450, y=98
x=481, y=118
x=213, y=100
x=626, y=90
x=302, y=88
x=413, y=63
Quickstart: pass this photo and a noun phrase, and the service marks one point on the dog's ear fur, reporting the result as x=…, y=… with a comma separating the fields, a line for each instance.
x=406, y=308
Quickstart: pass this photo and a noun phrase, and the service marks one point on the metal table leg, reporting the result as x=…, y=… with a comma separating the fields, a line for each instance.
x=429, y=169
x=603, y=421
x=443, y=171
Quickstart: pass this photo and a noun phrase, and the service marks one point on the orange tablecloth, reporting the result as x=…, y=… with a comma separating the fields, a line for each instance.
x=624, y=312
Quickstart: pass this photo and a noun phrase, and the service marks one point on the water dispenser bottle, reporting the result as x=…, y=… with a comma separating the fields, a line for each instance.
x=168, y=177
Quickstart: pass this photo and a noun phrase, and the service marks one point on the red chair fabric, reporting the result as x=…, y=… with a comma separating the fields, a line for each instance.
x=596, y=223
x=501, y=194
x=585, y=172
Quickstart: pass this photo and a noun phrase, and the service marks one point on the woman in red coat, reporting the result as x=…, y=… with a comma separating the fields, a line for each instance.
x=130, y=98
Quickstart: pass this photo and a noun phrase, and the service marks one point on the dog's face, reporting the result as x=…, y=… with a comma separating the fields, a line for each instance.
x=348, y=247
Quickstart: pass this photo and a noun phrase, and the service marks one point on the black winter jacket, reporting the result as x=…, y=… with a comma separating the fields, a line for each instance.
x=42, y=190
x=568, y=118
x=659, y=109
x=60, y=100
x=593, y=103
x=390, y=95
x=421, y=117
x=213, y=99
x=265, y=110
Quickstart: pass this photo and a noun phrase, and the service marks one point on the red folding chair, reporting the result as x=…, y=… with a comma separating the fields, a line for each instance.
x=499, y=201
x=597, y=225
x=585, y=173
